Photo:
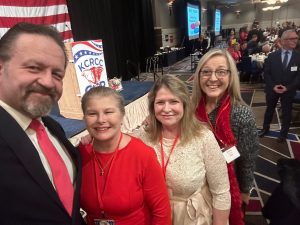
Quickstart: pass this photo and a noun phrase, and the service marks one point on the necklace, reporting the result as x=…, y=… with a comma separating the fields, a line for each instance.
x=102, y=168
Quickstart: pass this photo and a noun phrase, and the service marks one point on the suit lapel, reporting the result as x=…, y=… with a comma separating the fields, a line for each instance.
x=21, y=145
x=292, y=60
x=279, y=59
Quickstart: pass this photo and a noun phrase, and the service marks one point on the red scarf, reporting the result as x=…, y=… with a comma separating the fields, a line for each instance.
x=225, y=137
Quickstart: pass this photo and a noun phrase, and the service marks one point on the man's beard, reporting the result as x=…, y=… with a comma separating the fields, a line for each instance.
x=42, y=108
x=39, y=107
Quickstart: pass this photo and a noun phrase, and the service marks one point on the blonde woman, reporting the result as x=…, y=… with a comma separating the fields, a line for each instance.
x=217, y=101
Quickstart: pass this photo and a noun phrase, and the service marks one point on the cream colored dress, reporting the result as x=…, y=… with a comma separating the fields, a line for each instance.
x=196, y=177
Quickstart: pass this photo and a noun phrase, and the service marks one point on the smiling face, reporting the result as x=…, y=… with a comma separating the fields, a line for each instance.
x=103, y=118
x=31, y=80
x=289, y=40
x=168, y=109
x=213, y=87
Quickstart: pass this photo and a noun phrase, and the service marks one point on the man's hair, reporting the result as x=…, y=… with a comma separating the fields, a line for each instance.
x=286, y=32
x=9, y=38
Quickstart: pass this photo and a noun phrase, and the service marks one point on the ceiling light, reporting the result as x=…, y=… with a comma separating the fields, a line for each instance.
x=271, y=8
x=272, y=2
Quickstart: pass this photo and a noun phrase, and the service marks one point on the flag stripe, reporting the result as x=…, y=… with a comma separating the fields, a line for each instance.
x=26, y=3
x=49, y=20
x=11, y=11
x=49, y=12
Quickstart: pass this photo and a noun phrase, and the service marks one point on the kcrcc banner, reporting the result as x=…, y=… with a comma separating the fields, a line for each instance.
x=89, y=64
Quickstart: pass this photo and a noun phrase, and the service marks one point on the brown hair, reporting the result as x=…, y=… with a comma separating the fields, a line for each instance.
x=190, y=126
x=10, y=37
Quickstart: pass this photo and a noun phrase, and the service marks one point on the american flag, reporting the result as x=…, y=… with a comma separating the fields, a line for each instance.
x=50, y=12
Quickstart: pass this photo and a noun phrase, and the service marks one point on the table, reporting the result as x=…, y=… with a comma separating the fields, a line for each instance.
x=171, y=57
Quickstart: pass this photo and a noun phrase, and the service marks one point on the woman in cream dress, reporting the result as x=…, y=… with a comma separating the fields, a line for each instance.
x=193, y=165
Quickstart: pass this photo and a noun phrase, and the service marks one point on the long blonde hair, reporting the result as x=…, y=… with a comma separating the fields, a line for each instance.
x=190, y=126
x=234, y=82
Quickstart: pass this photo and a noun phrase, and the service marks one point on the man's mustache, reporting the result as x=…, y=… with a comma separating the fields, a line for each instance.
x=43, y=90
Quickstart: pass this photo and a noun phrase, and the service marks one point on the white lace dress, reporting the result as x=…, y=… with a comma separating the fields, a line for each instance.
x=196, y=177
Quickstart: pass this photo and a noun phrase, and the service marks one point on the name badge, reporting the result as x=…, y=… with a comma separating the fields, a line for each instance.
x=104, y=222
x=294, y=68
x=230, y=154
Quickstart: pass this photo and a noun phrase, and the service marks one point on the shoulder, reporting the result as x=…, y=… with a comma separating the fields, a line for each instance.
x=86, y=153
x=139, y=149
x=241, y=113
x=205, y=137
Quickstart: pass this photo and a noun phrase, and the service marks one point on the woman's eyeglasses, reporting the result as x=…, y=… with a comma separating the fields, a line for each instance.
x=221, y=73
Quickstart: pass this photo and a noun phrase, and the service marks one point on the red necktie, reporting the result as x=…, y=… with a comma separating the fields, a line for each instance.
x=61, y=177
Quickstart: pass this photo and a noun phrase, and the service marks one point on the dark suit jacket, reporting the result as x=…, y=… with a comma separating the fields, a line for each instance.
x=275, y=74
x=26, y=194
x=283, y=206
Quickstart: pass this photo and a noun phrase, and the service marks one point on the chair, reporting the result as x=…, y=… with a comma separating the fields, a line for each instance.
x=133, y=69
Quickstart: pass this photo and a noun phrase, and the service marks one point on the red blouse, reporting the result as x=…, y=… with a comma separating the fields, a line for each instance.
x=132, y=190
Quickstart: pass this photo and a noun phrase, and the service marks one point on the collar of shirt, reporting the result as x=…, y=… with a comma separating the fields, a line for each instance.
x=21, y=119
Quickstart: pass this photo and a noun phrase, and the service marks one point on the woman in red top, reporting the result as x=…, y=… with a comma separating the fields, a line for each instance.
x=122, y=181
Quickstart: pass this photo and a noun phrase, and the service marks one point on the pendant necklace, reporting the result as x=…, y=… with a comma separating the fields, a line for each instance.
x=102, y=168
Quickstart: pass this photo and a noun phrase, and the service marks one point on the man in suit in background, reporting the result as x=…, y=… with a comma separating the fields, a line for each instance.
x=282, y=77
x=34, y=176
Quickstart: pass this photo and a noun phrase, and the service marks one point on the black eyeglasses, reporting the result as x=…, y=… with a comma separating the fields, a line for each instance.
x=221, y=73
x=291, y=39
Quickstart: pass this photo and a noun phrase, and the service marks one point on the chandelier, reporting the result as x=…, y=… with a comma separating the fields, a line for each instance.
x=272, y=2
x=271, y=8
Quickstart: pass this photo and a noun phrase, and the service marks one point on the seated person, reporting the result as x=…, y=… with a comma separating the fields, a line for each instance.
x=234, y=51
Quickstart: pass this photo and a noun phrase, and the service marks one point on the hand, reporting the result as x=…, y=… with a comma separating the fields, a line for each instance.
x=280, y=89
x=245, y=198
x=86, y=139
x=266, y=48
x=146, y=122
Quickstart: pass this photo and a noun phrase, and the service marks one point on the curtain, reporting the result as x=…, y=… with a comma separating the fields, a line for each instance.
x=125, y=26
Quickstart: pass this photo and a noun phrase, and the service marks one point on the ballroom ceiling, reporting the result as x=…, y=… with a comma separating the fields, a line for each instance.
x=240, y=2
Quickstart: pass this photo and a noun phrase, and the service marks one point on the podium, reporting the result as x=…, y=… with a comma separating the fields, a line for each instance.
x=70, y=101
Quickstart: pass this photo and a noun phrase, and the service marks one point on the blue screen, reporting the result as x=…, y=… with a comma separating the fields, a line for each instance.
x=193, y=19
x=217, y=21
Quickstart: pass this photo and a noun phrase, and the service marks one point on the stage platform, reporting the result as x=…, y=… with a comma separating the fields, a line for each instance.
x=135, y=96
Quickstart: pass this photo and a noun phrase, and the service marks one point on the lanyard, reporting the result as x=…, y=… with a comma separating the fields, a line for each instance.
x=104, y=179
x=164, y=166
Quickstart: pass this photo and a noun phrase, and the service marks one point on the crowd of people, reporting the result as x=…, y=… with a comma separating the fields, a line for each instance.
x=191, y=163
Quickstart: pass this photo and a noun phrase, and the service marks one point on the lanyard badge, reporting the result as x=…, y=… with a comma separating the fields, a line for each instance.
x=104, y=222
x=230, y=154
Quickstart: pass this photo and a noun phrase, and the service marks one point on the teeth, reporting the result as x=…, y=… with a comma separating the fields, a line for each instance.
x=101, y=129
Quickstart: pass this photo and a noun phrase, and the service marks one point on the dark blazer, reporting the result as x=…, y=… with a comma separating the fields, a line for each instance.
x=283, y=206
x=275, y=74
x=26, y=193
